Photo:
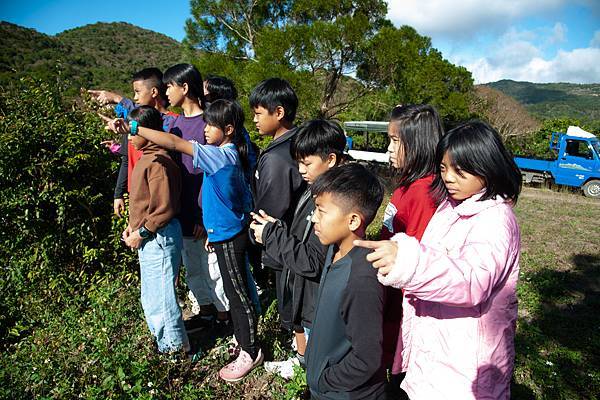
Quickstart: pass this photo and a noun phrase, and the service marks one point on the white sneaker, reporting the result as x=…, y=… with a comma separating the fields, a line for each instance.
x=285, y=369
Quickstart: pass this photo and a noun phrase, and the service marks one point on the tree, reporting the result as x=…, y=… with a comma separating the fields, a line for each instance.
x=320, y=41
x=403, y=62
x=503, y=112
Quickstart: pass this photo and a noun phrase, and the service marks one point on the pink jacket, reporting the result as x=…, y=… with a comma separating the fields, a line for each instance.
x=460, y=304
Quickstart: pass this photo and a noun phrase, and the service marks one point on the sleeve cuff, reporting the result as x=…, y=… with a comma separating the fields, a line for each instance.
x=406, y=262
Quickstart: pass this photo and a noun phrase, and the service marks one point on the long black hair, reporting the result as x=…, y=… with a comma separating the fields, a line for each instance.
x=419, y=131
x=187, y=73
x=476, y=147
x=223, y=112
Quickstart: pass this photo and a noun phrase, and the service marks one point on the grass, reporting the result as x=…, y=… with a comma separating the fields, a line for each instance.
x=558, y=330
x=99, y=347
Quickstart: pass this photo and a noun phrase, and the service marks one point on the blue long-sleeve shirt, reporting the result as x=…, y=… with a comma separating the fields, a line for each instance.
x=226, y=199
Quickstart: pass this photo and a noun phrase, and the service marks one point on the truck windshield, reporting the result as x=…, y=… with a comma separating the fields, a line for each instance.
x=596, y=146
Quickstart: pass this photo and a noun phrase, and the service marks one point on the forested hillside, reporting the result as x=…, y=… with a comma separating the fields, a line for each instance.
x=97, y=55
x=555, y=100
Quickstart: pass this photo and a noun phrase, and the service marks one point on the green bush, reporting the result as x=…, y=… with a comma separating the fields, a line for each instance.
x=55, y=190
x=537, y=143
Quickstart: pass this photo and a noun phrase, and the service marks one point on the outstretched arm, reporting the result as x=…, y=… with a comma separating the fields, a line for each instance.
x=167, y=141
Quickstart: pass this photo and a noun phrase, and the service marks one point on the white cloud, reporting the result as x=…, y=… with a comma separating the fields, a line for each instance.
x=558, y=33
x=461, y=18
x=575, y=66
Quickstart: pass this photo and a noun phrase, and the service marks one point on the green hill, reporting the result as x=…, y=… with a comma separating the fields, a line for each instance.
x=101, y=55
x=555, y=100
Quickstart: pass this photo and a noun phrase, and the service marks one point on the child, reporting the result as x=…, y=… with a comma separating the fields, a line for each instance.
x=277, y=184
x=156, y=233
x=185, y=89
x=461, y=279
x=226, y=201
x=318, y=146
x=414, y=131
x=148, y=90
x=343, y=357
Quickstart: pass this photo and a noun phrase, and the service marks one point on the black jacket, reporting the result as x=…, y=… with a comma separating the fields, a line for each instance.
x=344, y=353
x=302, y=256
x=277, y=184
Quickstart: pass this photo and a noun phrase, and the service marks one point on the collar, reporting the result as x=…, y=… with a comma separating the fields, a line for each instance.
x=282, y=139
x=473, y=205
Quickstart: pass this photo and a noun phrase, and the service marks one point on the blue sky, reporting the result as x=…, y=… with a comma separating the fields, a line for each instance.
x=532, y=40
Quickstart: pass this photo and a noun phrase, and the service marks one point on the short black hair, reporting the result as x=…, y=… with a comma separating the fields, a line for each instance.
x=219, y=87
x=275, y=92
x=355, y=185
x=318, y=137
x=419, y=129
x=153, y=78
x=187, y=73
x=221, y=113
x=147, y=117
x=476, y=148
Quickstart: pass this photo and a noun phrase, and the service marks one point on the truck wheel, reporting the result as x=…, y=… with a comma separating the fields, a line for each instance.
x=592, y=189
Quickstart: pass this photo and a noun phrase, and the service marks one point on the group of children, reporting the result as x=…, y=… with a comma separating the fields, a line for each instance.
x=433, y=302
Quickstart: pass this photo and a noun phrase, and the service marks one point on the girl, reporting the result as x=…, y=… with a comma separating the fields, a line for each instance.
x=156, y=233
x=185, y=89
x=226, y=205
x=460, y=281
x=414, y=132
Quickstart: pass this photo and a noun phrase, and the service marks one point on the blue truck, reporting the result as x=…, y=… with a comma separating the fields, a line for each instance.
x=577, y=163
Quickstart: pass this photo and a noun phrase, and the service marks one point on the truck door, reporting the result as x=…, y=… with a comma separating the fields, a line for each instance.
x=575, y=164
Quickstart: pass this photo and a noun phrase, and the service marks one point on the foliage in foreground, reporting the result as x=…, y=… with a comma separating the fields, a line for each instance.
x=72, y=326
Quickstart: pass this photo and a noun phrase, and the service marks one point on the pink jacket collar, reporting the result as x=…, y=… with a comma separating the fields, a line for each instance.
x=472, y=205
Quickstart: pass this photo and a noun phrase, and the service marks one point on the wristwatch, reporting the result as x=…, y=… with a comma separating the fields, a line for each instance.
x=133, y=128
x=145, y=233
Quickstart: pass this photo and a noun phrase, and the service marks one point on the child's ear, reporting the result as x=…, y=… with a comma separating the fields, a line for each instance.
x=154, y=92
x=331, y=160
x=185, y=88
x=354, y=221
x=229, y=130
x=279, y=112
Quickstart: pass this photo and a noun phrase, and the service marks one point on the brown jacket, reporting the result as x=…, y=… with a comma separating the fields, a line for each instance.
x=155, y=188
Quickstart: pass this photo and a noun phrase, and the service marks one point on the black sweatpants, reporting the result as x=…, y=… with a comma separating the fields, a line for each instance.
x=231, y=255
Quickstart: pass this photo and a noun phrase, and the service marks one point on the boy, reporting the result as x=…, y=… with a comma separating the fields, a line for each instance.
x=318, y=146
x=277, y=184
x=149, y=90
x=343, y=358
x=156, y=233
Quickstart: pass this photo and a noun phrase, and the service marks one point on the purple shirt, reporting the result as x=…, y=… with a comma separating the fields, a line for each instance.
x=189, y=128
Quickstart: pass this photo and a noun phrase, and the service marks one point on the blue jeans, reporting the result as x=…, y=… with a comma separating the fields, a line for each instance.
x=159, y=266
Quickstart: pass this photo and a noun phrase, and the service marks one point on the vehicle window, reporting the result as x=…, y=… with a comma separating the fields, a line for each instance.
x=377, y=141
x=579, y=148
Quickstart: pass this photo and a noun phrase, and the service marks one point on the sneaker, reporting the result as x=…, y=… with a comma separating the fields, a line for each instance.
x=285, y=369
x=197, y=322
x=239, y=368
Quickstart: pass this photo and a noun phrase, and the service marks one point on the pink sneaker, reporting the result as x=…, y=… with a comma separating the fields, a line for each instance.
x=239, y=368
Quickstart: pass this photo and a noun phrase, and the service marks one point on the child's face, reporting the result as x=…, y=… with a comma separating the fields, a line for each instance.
x=460, y=184
x=266, y=123
x=332, y=222
x=175, y=93
x=395, y=148
x=142, y=94
x=311, y=167
x=215, y=135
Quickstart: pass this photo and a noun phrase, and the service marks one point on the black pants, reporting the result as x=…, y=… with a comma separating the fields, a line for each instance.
x=231, y=255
